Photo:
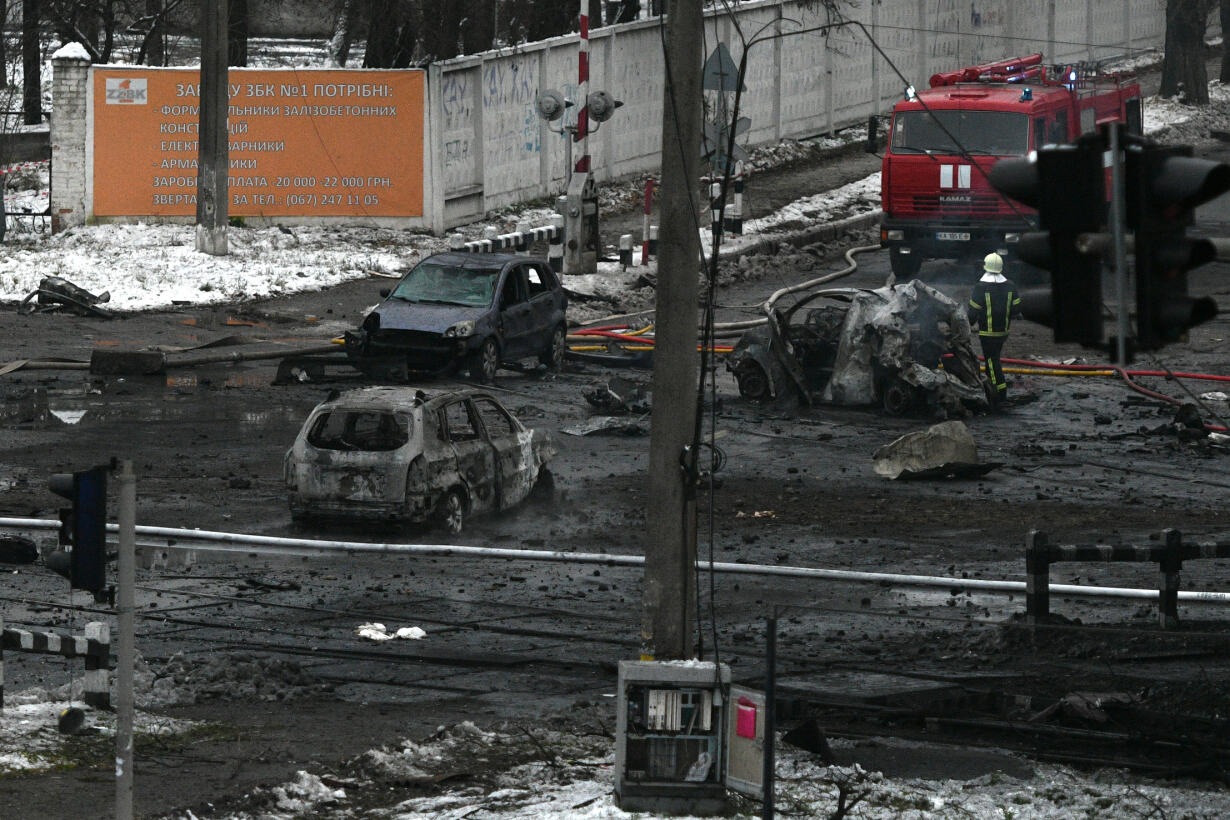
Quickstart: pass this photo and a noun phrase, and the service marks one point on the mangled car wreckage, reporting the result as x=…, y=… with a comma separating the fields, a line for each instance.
x=906, y=347
x=395, y=454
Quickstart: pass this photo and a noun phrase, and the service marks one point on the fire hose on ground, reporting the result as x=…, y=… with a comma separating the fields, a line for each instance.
x=210, y=540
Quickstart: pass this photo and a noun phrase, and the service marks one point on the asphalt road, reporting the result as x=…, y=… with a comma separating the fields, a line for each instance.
x=510, y=641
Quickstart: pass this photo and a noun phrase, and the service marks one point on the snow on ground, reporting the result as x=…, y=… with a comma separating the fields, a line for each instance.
x=148, y=266
x=560, y=776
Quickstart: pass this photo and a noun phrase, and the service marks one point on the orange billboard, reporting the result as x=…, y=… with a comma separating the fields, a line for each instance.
x=303, y=142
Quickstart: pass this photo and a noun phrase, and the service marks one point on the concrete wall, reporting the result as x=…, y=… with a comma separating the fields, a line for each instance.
x=492, y=151
x=488, y=148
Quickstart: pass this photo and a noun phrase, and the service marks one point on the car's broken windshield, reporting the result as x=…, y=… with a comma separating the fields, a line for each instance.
x=994, y=133
x=434, y=283
x=369, y=430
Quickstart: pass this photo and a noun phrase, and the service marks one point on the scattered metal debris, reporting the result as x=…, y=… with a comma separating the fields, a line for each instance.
x=55, y=292
x=944, y=450
x=617, y=397
x=606, y=424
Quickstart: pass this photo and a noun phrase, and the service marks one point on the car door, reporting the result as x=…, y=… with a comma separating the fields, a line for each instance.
x=540, y=288
x=515, y=318
x=475, y=457
x=513, y=452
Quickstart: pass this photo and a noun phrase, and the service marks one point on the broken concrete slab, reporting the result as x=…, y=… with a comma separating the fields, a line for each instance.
x=942, y=450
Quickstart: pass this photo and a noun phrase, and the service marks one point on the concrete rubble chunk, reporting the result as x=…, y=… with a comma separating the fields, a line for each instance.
x=942, y=450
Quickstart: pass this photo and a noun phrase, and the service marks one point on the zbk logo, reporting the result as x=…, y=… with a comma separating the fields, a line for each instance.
x=126, y=91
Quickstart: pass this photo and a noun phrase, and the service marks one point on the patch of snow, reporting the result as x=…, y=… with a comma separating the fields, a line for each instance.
x=378, y=632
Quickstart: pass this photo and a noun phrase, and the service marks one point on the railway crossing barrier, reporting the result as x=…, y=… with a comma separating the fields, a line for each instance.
x=94, y=645
x=1169, y=555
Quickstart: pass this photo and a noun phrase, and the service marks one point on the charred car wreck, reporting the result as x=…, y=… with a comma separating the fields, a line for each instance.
x=905, y=347
x=395, y=454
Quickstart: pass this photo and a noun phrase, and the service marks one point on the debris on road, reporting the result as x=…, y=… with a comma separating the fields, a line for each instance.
x=606, y=424
x=617, y=397
x=17, y=549
x=944, y=450
x=379, y=632
x=55, y=292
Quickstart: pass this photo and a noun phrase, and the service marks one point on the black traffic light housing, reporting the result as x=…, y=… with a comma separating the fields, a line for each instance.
x=1067, y=186
x=83, y=527
x=1163, y=185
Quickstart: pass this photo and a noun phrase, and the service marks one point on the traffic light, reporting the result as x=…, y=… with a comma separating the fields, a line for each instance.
x=1163, y=185
x=83, y=527
x=1067, y=186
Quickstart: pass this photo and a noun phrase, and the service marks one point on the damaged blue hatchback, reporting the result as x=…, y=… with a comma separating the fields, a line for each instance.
x=464, y=310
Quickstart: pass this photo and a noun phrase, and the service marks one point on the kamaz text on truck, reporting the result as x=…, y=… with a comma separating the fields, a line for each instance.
x=937, y=201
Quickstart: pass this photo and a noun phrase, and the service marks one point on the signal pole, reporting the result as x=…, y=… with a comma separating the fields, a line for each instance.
x=213, y=163
x=669, y=600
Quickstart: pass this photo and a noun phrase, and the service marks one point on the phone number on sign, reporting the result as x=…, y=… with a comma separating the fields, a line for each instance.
x=325, y=200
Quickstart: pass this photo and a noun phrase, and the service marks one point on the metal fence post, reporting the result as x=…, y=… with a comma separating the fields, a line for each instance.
x=1168, y=591
x=770, y=714
x=1037, y=577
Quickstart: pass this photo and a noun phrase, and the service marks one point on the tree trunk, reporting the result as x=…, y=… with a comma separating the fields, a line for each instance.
x=108, y=30
x=237, y=32
x=343, y=33
x=31, y=61
x=155, y=52
x=1225, y=47
x=382, y=29
x=1183, y=71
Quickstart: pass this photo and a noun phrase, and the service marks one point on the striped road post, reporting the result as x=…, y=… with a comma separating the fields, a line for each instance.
x=94, y=646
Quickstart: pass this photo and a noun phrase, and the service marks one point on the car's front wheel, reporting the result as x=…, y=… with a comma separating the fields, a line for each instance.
x=451, y=514
x=485, y=361
x=553, y=356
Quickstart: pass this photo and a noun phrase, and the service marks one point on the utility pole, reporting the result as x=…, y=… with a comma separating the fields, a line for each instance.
x=213, y=163
x=125, y=764
x=669, y=601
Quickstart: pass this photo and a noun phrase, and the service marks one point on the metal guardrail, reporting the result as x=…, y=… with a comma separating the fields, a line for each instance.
x=1169, y=555
x=173, y=539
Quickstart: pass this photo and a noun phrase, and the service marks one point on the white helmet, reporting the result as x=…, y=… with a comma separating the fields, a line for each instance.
x=993, y=263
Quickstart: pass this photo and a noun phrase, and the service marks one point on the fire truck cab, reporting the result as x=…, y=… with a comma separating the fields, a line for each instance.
x=937, y=200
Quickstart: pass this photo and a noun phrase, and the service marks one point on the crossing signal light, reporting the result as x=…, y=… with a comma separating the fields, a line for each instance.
x=83, y=528
x=1163, y=186
x=1066, y=185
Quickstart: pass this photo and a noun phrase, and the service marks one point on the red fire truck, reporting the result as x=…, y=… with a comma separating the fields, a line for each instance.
x=938, y=203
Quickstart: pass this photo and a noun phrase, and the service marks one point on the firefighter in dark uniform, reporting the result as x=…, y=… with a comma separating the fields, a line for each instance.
x=991, y=306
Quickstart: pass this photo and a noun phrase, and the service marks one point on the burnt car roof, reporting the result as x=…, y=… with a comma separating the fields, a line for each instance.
x=481, y=261
x=386, y=397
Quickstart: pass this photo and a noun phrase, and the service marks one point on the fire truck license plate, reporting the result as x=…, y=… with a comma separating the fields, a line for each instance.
x=952, y=236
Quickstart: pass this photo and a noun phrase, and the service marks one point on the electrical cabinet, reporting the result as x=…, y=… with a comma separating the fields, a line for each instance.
x=670, y=753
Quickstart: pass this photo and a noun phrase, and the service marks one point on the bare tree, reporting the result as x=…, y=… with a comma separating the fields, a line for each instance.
x=31, y=63
x=237, y=32
x=343, y=32
x=1224, y=9
x=1183, y=70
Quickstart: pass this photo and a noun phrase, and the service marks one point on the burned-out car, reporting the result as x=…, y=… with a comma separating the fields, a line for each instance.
x=906, y=347
x=464, y=310
x=396, y=454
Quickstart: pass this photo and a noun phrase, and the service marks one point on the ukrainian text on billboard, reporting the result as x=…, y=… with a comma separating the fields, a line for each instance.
x=301, y=142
